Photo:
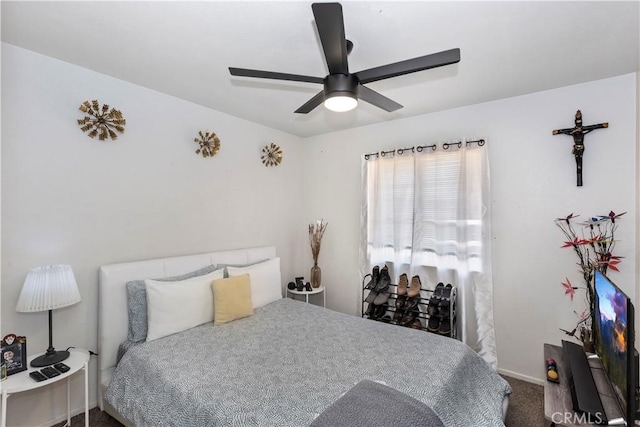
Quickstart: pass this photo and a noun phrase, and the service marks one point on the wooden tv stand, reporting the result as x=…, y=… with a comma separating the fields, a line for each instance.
x=558, y=407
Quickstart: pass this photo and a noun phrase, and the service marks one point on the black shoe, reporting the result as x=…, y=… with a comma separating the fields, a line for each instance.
x=384, y=281
x=369, y=311
x=434, y=324
x=432, y=307
x=445, y=326
x=375, y=276
x=445, y=301
x=400, y=311
x=379, y=311
x=410, y=317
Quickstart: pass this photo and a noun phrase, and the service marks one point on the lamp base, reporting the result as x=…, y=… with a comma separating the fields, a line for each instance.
x=48, y=359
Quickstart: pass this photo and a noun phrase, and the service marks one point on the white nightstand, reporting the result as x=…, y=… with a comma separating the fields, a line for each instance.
x=78, y=360
x=319, y=290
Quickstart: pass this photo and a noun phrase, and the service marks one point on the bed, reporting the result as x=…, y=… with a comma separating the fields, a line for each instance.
x=284, y=365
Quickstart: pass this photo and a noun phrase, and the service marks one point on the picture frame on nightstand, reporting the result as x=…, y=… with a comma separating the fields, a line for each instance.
x=14, y=353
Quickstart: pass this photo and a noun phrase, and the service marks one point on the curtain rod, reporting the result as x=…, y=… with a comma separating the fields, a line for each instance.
x=419, y=148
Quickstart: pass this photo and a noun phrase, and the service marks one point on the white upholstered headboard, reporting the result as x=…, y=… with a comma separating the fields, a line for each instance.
x=112, y=297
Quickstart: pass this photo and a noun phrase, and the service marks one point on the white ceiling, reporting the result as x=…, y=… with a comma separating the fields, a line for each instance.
x=184, y=48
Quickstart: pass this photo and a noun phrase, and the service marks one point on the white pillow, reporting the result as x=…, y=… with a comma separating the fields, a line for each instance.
x=266, y=285
x=176, y=306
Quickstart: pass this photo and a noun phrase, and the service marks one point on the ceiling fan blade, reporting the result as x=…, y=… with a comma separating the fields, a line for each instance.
x=374, y=98
x=243, y=72
x=434, y=60
x=311, y=104
x=331, y=30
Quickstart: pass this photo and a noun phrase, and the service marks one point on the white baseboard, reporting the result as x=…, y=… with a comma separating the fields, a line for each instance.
x=74, y=412
x=518, y=376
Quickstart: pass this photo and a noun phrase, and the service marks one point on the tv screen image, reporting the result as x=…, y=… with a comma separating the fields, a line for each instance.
x=614, y=339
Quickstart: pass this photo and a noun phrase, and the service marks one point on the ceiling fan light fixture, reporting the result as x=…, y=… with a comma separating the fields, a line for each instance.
x=341, y=92
x=341, y=103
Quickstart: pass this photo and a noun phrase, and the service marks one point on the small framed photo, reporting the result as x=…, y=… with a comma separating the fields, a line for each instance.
x=14, y=353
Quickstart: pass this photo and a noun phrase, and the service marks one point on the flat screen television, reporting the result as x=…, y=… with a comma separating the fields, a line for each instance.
x=615, y=342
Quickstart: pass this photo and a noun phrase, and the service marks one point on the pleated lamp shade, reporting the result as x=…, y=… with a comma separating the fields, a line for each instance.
x=47, y=288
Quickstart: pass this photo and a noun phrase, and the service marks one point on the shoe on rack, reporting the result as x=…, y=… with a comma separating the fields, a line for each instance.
x=384, y=281
x=375, y=276
x=414, y=288
x=381, y=298
x=416, y=324
x=379, y=311
x=444, y=305
x=432, y=307
x=410, y=317
x=403, y=284
x=386, y=318
x=412, y=303
x=371, y=297
x=446, y=293
x=369, y=311
x=434, y=324
x=445, y=326
x=400, y=303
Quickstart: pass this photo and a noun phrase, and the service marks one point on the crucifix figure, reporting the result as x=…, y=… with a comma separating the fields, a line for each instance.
x=578, y=133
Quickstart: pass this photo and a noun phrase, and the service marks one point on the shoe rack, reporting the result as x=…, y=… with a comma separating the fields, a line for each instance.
x=388, y=313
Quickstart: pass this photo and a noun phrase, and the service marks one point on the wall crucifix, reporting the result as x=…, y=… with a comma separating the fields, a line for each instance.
x=578, y=132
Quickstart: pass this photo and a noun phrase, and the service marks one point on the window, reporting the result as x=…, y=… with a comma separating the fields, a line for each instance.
x=428, y=213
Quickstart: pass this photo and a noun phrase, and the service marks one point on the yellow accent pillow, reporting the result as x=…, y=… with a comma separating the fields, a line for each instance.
x=232, y=299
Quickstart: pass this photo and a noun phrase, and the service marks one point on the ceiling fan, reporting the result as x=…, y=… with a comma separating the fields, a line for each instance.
x=341, y=88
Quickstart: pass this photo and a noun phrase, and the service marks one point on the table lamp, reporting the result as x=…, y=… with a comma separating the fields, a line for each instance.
x=47, y=288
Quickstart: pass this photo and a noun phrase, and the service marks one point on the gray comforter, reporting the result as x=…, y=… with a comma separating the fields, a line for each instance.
x=289, y=362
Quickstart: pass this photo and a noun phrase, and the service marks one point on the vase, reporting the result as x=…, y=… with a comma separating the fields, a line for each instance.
x=316, y=276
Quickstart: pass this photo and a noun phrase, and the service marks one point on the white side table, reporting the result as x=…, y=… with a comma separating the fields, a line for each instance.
x=78, y=360
x=318, y=290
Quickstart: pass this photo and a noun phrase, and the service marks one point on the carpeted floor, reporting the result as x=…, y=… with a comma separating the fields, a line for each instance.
x=526, y=409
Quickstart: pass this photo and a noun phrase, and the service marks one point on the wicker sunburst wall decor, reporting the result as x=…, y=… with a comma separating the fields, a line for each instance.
x=271, y=155
x=101, y=122
x=209, y=144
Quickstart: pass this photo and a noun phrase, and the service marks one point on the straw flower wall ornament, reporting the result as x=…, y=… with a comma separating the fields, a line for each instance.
x=316, y=231
x=101, y=122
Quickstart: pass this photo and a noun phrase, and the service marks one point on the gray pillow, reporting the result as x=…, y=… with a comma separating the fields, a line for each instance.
x=226, y=271
x=137, y=302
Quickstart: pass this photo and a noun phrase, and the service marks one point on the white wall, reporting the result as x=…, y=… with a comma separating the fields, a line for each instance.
x=70, y=199
x=533, y=180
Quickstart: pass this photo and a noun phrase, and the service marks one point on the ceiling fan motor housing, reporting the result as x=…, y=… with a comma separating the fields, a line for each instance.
x=341, y=85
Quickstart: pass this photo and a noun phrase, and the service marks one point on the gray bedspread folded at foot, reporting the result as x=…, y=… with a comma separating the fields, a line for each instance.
x=370, y=403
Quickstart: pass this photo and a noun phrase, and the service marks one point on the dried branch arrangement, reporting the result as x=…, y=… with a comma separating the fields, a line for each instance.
x=101, y=122
x=209, y=144
x=316, y=231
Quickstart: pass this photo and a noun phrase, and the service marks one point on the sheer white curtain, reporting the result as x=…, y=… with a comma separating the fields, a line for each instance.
x=428, y=214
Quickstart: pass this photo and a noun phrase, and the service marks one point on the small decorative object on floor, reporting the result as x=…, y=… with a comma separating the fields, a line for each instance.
x=209, y=144
x=14, y=354
x=271, y=155
x=316, y=231
x=102, y=122
x=578, y=132
x=595, y=252
x=552, y=370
